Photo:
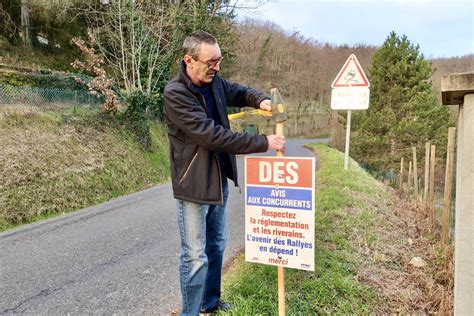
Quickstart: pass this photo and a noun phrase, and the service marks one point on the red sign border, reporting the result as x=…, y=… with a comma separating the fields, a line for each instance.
x=351, y=58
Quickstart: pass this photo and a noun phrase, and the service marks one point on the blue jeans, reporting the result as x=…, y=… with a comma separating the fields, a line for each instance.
x=203, y=232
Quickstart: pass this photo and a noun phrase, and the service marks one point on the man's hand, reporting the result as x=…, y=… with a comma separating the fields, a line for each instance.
x=266, y=105
x=276, y=142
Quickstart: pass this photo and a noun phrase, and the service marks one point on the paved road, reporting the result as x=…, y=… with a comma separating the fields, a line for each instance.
x=117, y=257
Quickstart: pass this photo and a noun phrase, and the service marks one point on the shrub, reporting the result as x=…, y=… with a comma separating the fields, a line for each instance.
x=142, y=107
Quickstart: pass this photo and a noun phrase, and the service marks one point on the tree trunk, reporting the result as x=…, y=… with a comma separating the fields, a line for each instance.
x=25, y=23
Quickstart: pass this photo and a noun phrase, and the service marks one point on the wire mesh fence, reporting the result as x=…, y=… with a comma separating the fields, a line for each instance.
x=47, y=97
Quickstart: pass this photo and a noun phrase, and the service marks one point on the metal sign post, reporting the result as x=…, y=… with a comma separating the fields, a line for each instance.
x=348, y=137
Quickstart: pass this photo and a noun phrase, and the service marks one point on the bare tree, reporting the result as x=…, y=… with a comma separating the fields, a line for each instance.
x=140, y=40
x=6, y=22
x=135, y=39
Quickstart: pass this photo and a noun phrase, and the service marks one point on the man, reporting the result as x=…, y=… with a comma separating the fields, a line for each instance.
x=202, y=152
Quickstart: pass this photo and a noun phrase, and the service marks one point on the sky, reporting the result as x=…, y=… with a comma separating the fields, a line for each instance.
x=442, y=28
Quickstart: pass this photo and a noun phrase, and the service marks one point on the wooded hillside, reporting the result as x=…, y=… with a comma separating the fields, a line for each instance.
x=268, y=56
x=302, y=68
x=258, y=53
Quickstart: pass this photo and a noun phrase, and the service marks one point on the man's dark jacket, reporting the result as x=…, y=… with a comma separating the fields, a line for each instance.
x=195, y=139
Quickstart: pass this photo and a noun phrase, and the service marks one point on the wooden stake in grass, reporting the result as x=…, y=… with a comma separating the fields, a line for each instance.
x=415, y=173
x=448, y=185
x=400, y=183
x=409, y=178
x=431, y=218
x=281, y=271
x=427, y=177
x=280, y=116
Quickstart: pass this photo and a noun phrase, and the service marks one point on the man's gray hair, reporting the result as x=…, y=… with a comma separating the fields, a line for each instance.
x=192, y=43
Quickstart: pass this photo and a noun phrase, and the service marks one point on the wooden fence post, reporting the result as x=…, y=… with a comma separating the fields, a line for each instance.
x=409, y=177
x=448, y=185
x=427, y=177
x=400, y=183
x=431, y=210
x=415, y=173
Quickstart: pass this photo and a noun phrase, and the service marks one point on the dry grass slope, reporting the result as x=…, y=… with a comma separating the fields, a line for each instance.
x=366, y=236
x=392, y=235
x=53, y=164
x=402, y=287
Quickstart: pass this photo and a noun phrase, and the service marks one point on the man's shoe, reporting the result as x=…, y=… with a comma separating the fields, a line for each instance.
x=220, y=306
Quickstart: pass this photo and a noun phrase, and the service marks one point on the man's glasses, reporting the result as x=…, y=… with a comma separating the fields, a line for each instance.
x=210, y=63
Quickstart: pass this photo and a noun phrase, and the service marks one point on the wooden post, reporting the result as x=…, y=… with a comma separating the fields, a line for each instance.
x=281, y=271
x=409, y=180
x=280, y=131
x=431, y=214
x=281, y=291
x=427, y=177
x=448, y=185
x=25, y=23
x=415, y=173
x=400, y=184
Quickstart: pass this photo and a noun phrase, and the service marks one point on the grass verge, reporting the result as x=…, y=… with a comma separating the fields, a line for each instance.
x=331, y=288
x=366, y=236
x=53, y=163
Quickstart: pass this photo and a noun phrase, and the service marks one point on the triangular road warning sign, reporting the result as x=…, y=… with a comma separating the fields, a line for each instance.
x=351, y=75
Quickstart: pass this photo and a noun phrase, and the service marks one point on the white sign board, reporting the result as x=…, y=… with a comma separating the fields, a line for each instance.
x=351, y=87
x=356, y=98
x=279, y=211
